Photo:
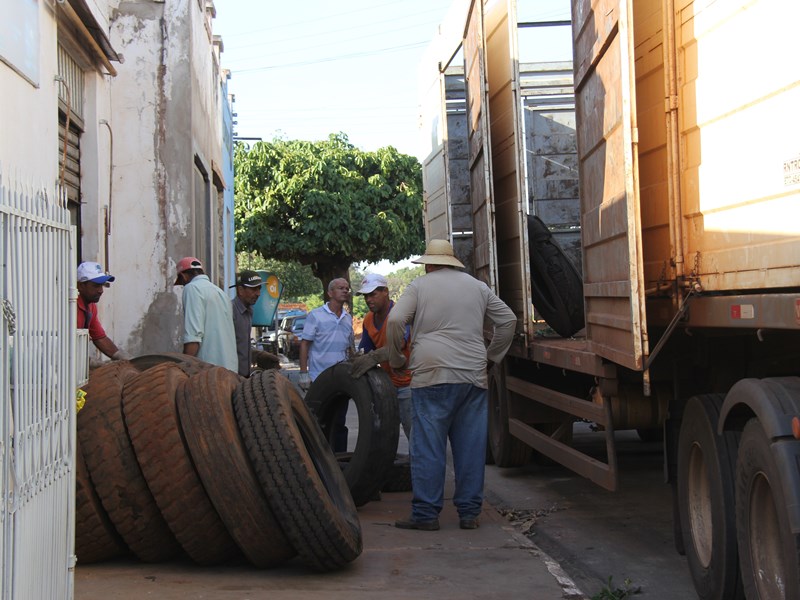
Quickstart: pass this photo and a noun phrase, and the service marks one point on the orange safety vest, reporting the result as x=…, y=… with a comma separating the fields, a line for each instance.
x=401, y=378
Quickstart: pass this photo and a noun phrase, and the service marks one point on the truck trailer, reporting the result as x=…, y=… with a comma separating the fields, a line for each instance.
x=638, y=207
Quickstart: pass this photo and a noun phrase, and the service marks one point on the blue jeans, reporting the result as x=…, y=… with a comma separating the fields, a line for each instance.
x=458, y=411
x=404, y=405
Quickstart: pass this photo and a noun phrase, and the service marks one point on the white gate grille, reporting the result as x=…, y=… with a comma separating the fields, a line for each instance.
x=37, y=419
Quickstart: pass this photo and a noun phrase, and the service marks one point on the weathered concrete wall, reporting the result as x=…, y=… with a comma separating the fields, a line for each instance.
x=168, y=100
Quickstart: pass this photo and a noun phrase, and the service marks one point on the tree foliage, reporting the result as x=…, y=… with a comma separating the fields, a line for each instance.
x=327, y=204
x=297, y=279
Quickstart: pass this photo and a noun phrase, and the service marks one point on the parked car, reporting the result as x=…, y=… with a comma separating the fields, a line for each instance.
x=288, y=335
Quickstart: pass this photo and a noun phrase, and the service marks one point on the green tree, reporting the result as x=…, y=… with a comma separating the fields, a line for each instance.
x=327, y=204
x=297, y=279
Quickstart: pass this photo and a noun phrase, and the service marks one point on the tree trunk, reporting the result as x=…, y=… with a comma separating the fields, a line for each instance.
x=328, y=270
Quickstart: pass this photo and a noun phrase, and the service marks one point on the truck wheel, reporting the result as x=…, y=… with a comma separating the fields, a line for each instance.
x=95, y=536
x=114, y=469
x=148, y=402
x=706, y=463
x=298, y=472
x=375, y=400
x=211, y=433
x=768, y=548
x=506, y=450
x=556, y=285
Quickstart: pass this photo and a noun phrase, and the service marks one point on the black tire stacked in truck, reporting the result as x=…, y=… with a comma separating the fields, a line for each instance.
x=368, y=466
x=556, y=285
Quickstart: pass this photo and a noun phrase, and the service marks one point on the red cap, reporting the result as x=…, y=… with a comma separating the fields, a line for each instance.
x=186, y=263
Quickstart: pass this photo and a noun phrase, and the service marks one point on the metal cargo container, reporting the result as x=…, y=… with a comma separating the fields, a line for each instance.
x=685, y=224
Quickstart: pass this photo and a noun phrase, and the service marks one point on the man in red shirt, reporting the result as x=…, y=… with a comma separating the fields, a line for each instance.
x=92, y=280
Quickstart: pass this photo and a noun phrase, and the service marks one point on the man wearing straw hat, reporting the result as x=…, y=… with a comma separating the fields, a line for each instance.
x=449, y=395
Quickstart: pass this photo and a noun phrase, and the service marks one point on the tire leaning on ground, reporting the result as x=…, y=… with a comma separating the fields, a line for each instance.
x=706, y=463
x=95, y=537
x=151, y=415
x=114, y=469
x=375, y=399
x=211, y=433
x=770, y=552
x=298, y=471
x=556, y=285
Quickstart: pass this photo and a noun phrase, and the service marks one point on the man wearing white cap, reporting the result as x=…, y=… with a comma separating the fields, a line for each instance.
x=207, y=317
x=92, y=280
x=375, y=290
x=449, y=385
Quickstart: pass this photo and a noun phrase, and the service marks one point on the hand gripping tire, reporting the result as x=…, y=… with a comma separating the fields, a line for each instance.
x=298, y=471
x=151, y=415
x=211, y=433
x=113, y=467
x=370, y=464
x=95, y=537
x=556, y=285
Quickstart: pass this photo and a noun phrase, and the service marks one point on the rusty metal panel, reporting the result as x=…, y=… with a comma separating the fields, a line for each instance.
x=610, y=227
x=740, y=167
x=485, y=265
x=507, y=151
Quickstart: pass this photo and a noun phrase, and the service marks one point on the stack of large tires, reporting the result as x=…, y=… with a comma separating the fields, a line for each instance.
x=177, y=457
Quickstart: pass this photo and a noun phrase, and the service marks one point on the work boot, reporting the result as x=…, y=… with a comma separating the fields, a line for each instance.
x=468, y=523
x=421, y=525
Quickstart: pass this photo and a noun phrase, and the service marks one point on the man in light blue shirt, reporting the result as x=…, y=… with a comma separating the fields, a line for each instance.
x=327, y=337
x=208, y=330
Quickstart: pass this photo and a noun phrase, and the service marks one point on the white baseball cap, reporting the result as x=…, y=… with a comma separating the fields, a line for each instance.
x=371, y=282
x=92, y=271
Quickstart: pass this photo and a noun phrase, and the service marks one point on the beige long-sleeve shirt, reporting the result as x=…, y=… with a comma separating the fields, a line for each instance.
x=447, y=309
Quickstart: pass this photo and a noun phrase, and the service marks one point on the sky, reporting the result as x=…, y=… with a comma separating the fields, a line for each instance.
x=304, y=69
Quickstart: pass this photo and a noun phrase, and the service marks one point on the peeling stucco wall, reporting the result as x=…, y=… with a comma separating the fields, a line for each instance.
x=169, y=106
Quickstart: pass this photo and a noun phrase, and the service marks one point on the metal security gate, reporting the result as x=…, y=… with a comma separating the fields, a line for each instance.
x=38, y=378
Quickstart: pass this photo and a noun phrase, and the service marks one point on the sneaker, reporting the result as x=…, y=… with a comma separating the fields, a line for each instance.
x=468, y=523
x=421, y=525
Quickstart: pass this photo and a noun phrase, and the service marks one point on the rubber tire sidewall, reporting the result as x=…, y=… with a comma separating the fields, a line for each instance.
x=756, y=460
x=721, y=579
x=375, y=399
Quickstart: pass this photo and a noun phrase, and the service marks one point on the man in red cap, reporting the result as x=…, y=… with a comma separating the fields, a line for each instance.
x=207, y=317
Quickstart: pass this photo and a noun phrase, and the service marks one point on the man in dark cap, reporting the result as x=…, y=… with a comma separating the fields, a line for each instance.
x=248, y=289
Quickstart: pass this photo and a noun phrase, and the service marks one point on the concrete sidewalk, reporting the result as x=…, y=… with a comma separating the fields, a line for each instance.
x=493, y=561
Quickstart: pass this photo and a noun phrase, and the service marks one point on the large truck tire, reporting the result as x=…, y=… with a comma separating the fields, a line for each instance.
x=95, y=537
x=298, y=471
x=706, y=468
x=151, y=415
x=190, y=364
x=770, y=552
x=506, y=450
x=369, y=465
x=212, y=436
x=556, y=285
x=114, y=469
x=399, y=479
